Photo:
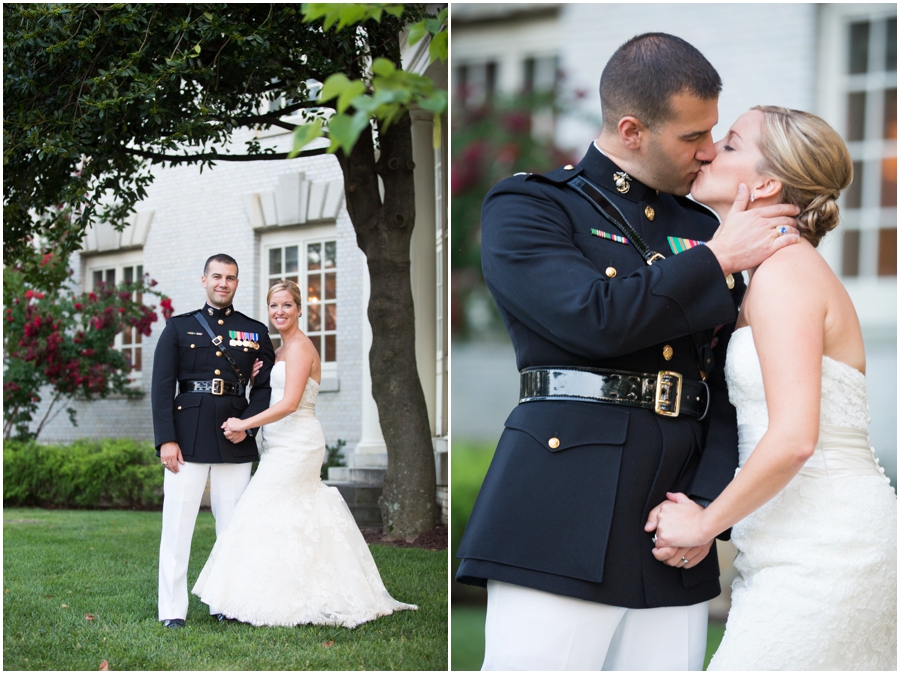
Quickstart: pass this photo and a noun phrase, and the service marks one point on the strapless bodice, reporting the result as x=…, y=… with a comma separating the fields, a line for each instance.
x=310, y=393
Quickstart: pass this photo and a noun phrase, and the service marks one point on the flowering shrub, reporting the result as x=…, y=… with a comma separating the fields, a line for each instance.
x=57, y=338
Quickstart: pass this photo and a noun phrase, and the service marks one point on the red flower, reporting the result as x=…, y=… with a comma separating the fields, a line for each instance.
x=29, y=294
x=78, y=306
x=47, y=258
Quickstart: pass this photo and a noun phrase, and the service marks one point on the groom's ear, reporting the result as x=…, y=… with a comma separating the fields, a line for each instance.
x=631, y=132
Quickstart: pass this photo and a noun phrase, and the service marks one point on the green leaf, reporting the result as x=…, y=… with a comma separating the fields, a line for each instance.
x=438, y=48
x=304, y=135
x=345, y=89
x=383, y=67
x=417, y=32
x=344, y=131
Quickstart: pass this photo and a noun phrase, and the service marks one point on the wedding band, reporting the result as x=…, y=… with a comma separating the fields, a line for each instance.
x=782, y=231
x=164, y=463
x=684, y=560
x=654, y=538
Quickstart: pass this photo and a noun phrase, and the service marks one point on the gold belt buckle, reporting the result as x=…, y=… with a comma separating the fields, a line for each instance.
x=664, y=382
x=654, y=258
x=218, y=387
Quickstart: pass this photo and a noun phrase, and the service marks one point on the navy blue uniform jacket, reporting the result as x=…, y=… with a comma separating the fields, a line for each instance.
x=193, y=420
x=570, y=519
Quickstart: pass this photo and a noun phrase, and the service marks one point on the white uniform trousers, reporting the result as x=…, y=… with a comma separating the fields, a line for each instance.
x=531, y=630
x=182, y=492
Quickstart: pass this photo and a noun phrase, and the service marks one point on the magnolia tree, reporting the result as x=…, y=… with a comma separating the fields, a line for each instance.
x=58, y=343
x=96, y=93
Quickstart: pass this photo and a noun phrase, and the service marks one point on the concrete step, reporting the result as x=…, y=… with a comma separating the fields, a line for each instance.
x=362, y=499
x=371, y=476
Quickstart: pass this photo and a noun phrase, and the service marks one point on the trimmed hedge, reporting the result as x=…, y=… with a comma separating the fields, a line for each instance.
x=117, y=473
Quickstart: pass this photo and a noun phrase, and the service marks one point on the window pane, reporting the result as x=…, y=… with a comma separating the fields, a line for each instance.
x=293, y=278
x=850, y=262
x=317, y=342
x=331, y=253
x=111, y=277
x=856, y=115
x=98, y=278
x=331, y=286
x=889, y=182
x=859, y=47
x=887, y=252
x=126, y=335
x=314, y=318
x=314, y=256
x=330, y=348
x=140, y=271
x=890, y=113
x=854, y=192
x=273, y=281
x=128, y=273
x=331, y=316
x=274, y=262
x=138, y=337
x=314, y=288
x=890, y=58
x=291, y=260
x=137, y=360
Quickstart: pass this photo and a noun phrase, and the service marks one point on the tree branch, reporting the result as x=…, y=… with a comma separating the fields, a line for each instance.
x=215, y=156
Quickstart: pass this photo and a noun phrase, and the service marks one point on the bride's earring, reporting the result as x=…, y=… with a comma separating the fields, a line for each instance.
x=752, y=198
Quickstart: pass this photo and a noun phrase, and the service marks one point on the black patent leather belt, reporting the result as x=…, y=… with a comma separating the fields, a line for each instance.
x=217, y=387
x=666, y=393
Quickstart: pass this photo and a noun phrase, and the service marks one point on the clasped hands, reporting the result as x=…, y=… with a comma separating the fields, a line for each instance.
x=235, y=430
x=677, y=522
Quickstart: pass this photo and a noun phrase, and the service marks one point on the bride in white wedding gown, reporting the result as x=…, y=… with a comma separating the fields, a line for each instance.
x=814, y=519
x=292, y=553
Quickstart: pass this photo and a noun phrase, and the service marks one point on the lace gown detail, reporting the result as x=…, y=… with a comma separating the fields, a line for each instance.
x=293, y=553
x=817, y=583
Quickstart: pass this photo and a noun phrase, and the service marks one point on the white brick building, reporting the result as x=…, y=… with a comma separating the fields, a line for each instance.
x=281, y=219
x=836, y=60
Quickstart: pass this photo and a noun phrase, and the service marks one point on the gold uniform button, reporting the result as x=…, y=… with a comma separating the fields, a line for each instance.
x=729, y=281
x=221, y=322
x=668, y=352
x=218, y=372
x=179, y=407
x=246, y=350
x=192, y=346
x=568, y=167
x=218, y=353
x=611, y=272
x=650, y=213
x=554, y=443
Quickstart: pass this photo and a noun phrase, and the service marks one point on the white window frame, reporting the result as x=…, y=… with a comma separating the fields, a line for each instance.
x=118, y=262
x=875, y=297
x=301, y=237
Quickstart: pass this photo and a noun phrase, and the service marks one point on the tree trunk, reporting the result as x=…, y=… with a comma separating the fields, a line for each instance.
x=383, y=232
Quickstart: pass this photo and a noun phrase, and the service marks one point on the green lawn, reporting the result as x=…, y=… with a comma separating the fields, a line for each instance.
x=467, y=645
x=61, y=566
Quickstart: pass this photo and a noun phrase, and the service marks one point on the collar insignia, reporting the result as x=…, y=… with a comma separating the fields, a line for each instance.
x=209, y=311
x=623, y=182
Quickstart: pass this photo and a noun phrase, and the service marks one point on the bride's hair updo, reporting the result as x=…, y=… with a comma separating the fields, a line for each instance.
x=291, y=287
x=812, y=162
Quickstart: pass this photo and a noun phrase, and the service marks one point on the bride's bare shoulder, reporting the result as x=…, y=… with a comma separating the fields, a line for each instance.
x=797, y=261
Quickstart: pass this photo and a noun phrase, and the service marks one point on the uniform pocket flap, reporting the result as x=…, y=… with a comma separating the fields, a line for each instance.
x=558, y=426
x=194, y=341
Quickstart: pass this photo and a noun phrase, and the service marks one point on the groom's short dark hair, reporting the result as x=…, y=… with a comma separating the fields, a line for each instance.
x=223, y=259
x=645, y=72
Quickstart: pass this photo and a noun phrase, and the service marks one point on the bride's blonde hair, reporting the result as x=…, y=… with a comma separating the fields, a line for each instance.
x=812, y=162
x=291, y=287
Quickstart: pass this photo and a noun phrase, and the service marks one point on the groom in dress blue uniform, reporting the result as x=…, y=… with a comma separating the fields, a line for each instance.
x=618, y=339
x=195, y=389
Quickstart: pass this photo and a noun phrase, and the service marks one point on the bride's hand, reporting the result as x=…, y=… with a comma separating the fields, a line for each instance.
x=679, y=523
x=257, y=366
x=234, y=425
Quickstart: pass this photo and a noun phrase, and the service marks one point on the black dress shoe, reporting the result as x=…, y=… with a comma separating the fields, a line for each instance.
x=173, y=623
